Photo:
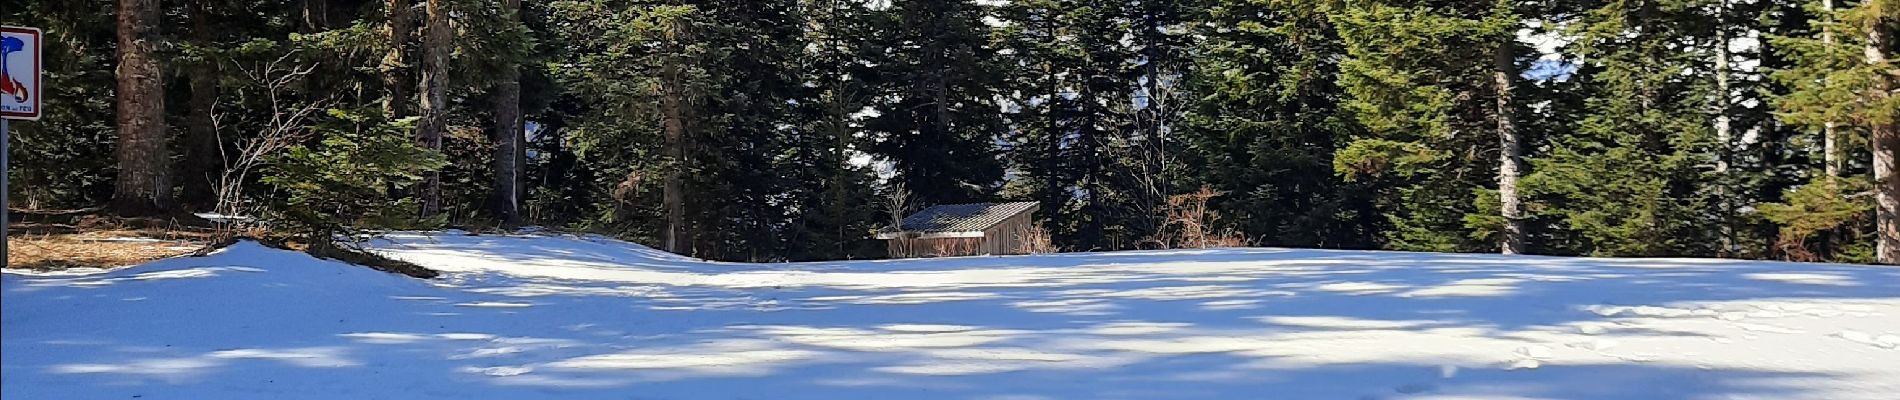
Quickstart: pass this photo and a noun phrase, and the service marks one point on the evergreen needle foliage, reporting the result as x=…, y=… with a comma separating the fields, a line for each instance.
x=767, y=130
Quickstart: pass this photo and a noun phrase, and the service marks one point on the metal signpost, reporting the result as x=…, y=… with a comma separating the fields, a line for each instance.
x=20, y=84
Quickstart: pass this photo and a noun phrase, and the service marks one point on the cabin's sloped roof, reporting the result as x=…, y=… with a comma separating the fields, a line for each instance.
x=973, y=217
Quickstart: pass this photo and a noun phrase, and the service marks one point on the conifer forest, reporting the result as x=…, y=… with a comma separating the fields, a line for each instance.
x=791, y=130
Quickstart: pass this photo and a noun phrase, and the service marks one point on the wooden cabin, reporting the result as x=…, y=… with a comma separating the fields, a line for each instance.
x=952, y=230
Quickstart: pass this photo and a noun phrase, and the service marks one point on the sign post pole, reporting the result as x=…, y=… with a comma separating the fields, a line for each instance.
x=20, y=89
x=6, y=210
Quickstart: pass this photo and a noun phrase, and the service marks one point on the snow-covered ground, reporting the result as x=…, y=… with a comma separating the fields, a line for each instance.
x=565, y=317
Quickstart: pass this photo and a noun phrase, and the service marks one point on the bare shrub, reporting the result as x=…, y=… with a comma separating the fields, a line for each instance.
x=1036, y=240
x=286, y=128
x=1190, y=224
x=897, y=203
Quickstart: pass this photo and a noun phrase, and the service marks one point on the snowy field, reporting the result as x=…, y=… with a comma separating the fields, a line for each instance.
x=564, y=317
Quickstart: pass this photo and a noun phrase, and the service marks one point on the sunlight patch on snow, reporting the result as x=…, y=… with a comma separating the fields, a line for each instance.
x=498, y=371
x=908, y=298
x=1486, y=287
x=494, y=304
x=506, y=376
x=1359, y=288
x=1544, y=277
x=725, y=357
x=465, y=336
x=488, y=352
x=1341, y=323
x=1882, y=341
x=385, y=337
x=1174, y=293
x=99, y=281
x=926, y=328
x=180, y=367
x=1135, y=328
x=1004, y=353
x=880, y=340
x=1804, y=278
x=310, y=357
x=1068, y=306
x=547, y=289
x=1222, y=305
x=1176, y=345
x=963, y=368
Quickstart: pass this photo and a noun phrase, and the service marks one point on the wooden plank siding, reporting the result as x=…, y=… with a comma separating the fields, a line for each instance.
x=1008, y=237
x=935, y=247
x=970, y=229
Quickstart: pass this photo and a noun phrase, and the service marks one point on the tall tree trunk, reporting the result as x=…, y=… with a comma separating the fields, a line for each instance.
x=508, y=135
x=144, y=184
x=315, y=14
x=1052, y=152
x=1830, y=148
x=1724, y=130
x=673, y=128
x=1886, y=142
x=1159, y=115
x=1509, y=147
x=435, y=81
x=839, y=124
x=203, y=158
x=396, y=34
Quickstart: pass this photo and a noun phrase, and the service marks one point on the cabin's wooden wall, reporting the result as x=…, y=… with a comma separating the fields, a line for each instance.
x=935, y=247
x=1008, y=237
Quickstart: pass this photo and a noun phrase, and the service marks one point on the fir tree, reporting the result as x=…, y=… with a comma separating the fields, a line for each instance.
x=935, y=93
x=1432, y=114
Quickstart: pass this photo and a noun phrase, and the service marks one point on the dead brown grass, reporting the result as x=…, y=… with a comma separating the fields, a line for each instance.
x=55, y=240
x=99, y=249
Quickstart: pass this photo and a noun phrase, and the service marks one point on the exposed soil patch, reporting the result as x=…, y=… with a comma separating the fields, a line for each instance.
x=355, y=256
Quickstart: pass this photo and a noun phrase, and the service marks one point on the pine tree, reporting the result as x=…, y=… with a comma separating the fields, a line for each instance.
x=1876, y=20
x=937, y=121
x=1264, y=122
x=1040, y=51
x=1634, y=175
x=1771, y=156
x=437, y=41
x=835, y=216
x=1073, y=115
x=202, y=151
x=765, y=129
x=1831, y=152
x=1842, y=77
x=144, y=185
x=396, y=31
x=755, y=82
x=509, y=134
x=1430, y=111
x=1504, y=75
x=677, y=236
x=1162, y=42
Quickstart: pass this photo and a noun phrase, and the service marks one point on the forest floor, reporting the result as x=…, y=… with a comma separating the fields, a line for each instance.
x=88, y=240
x=547, y=316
